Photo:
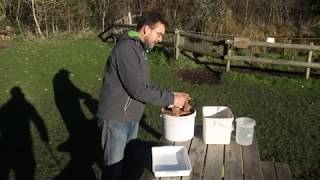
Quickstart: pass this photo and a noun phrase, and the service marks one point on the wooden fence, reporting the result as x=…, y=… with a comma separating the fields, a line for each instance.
x=237, y=42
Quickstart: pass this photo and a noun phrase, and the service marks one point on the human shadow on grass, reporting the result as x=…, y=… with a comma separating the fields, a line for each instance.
x=138, y=160
x=16, y=152
x=83, y=140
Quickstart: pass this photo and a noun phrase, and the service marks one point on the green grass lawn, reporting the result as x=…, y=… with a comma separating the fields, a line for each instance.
x=286, y=109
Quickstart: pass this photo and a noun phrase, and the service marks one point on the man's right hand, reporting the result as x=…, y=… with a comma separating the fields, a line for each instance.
x=180, y=98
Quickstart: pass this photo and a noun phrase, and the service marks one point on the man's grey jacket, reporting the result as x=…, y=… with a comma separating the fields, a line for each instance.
x=126, y=83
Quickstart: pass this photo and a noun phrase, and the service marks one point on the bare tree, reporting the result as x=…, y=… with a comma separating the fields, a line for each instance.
x=35, y=18
x=101, y=7
x=2, y=10
x=18, y=14
x=51, y=16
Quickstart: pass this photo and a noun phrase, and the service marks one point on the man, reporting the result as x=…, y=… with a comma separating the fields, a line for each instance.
x=126, y=88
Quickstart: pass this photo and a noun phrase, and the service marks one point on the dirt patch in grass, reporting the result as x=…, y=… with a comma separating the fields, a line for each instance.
x=200, y=76
x=3, y=44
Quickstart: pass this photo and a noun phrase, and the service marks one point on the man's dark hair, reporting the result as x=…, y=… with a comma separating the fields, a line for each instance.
x=150, y=18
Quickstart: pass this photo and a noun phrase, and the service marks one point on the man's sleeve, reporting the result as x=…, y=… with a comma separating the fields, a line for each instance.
x=131, y=75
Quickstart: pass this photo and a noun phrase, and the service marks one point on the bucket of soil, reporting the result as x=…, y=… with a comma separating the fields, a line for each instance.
x=178, y=127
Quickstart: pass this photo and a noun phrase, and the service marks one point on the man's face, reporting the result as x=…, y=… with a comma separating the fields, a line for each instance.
x=153, y=34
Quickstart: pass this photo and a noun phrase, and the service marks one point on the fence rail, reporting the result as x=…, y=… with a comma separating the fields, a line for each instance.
x=245, y=43
x=237, y=42
x=273, y=61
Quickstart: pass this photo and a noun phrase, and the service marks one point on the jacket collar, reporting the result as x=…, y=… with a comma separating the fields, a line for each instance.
x=136, y=36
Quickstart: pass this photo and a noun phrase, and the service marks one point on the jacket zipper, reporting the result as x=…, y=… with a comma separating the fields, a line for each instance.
x=126, y=105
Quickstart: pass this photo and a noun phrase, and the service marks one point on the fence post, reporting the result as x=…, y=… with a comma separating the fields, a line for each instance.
x=176, y=43
x=227, y=51
x=129, y=18
x=309, y=60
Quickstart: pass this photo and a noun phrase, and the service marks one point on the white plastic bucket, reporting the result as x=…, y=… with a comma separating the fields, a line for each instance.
x=245, y=130
x=217, y=124
x=179, y=128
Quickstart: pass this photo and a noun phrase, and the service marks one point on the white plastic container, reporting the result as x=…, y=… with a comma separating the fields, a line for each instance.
x=245, y=130
x=179, y=128
x=217, y=124
x=168, y=161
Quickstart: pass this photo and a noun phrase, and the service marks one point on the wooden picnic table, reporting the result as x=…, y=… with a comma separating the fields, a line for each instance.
x=227, y=162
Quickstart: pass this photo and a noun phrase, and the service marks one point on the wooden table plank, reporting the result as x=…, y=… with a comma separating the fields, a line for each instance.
x=214, y=162
x=283, y=171
x=232, y=163
x=251, y=161
x=268, y=170
x=197, y=154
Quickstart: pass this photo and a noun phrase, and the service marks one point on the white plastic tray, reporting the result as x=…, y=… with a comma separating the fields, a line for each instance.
x=168, y=161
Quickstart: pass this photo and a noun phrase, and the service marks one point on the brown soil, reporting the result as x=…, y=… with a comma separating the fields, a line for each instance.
x=3, y=44
x=200, y=76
